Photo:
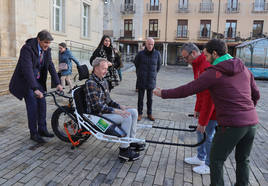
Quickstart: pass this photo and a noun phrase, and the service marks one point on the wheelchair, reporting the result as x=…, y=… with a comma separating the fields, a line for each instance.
x=71, y=123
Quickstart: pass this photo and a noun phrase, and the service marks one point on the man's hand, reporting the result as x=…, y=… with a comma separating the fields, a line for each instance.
x=201, y=128
x=59, y=88
x=196, y=114
x=157, y=92
x=123, y=107
x=38, y=94
x=122, y=113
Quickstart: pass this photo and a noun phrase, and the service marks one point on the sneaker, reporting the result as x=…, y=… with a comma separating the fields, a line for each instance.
x=137, y=146
x=128, y=154
x=194, y=161
x=202, y=169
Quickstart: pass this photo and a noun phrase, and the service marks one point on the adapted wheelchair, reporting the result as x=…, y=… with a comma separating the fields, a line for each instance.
x=71, y=123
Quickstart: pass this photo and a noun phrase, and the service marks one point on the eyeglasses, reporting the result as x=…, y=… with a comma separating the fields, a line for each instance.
x=187, y=57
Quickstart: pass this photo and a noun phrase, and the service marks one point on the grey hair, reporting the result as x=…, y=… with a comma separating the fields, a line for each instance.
x=190, y=47
x=44, y=35
x=97, y=61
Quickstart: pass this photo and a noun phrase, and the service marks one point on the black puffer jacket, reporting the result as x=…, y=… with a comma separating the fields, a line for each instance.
x=147, y=65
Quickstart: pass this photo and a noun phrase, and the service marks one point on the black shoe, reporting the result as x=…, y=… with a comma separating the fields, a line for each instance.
x=128, y=154
x=37, y=138
x=137, y=146
x=45, y=134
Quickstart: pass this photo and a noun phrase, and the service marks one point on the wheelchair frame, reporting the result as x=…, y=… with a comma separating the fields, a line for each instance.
x=86, y=127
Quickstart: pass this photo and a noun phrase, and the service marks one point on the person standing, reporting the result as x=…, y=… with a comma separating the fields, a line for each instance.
x=147, y=63
x=29, y=82
x=235, y=95
x=105, y=50
x=66, y=57
x=204, y=110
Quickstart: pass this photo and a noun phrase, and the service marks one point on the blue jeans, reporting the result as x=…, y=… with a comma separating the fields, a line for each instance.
x=203, y=150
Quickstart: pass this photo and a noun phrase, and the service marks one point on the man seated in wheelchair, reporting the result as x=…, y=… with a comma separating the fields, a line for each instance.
x=99, y=102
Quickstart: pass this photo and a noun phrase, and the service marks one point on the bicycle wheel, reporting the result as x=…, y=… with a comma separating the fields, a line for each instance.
x=61, y=121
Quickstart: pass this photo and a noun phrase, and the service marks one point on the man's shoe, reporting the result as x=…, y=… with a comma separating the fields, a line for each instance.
x=45, y=134
x=37, y=138
x=137, y=146
x=150, y=117
x=194, y=161
x=202, y=169
x=128, y=155
x=139, y=117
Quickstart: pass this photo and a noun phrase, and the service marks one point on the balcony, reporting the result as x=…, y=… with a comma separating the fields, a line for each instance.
x=204, y=36
x=153, y=9
x=128, y=8
x=183, y=9
x=182, y=35
x=257, y=34
x=206, y=7
x=232, y=10
x=127, y=35
x=231, y=36
x=153, y=34
x=260, y=7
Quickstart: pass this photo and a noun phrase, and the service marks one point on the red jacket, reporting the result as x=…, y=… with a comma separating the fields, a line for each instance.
x=204, y=104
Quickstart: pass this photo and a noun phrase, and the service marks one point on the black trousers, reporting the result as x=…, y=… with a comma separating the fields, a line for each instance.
x=149, y=100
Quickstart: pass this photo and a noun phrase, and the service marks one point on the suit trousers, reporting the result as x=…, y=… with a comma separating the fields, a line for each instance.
x=149, y=100
x=36, y=112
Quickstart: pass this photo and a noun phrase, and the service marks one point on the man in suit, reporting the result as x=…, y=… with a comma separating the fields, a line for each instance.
x=29, y=82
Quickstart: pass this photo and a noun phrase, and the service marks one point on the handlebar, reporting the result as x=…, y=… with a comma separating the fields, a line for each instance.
x=54, y=93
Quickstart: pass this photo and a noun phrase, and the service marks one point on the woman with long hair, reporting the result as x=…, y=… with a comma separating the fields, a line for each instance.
x=105, y=50
x=65, y=65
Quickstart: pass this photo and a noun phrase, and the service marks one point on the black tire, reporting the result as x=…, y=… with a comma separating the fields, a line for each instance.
x=58, y=119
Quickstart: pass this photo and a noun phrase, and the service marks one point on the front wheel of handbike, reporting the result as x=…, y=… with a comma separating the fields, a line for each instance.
x=61, y=122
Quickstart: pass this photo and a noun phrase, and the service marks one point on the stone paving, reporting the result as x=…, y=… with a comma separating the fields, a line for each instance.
x=23, y=162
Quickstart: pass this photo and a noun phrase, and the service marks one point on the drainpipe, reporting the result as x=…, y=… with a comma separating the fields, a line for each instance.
x=165, y=43
x=219, y=10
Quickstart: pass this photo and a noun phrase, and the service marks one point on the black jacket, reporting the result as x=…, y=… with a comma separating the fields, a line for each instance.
x=24, y=76
x=147, y=65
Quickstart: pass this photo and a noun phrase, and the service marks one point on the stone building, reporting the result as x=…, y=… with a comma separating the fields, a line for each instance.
x=174, y=22
x=77, y=22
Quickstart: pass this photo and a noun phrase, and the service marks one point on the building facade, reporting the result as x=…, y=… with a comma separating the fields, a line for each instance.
x=77, y=22
x=174, y=22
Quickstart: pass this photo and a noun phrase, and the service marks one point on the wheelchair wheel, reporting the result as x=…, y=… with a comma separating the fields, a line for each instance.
x=61, y=121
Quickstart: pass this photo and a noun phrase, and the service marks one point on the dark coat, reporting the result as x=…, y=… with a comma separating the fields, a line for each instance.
x=24, y=76
x=67, y=57
x=147, y=65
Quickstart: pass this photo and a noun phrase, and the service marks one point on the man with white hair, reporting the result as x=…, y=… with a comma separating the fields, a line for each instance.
x=99, y=102
x=147, y=63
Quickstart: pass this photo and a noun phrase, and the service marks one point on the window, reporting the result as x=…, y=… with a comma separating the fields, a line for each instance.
x=232, y=5
x=85, y=20
x=182, y=30
x=257, y=28
x=128, y=27
x=154, y=4
x=230, y=29
x=259, y=5
x=205, y=26
x=58, y=15
x=153, y=28
x=183, y=4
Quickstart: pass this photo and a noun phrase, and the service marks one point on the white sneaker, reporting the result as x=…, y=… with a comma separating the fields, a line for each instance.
x=194, y=161
x=202, y=169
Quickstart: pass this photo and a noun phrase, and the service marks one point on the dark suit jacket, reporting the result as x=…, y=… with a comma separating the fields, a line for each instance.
x=24, y=76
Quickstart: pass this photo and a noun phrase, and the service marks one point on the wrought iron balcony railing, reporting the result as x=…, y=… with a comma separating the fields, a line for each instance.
x=125, y=34
x=261, y=7
x=128, y=8
x=153, y=34
x=204, y=35
x=182, y=34
x=229, y=9
x=206, y=8
x=154, y=8
x=183, y=9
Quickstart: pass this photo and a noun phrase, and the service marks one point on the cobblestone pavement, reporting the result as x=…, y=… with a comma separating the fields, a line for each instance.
x=22, y=162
